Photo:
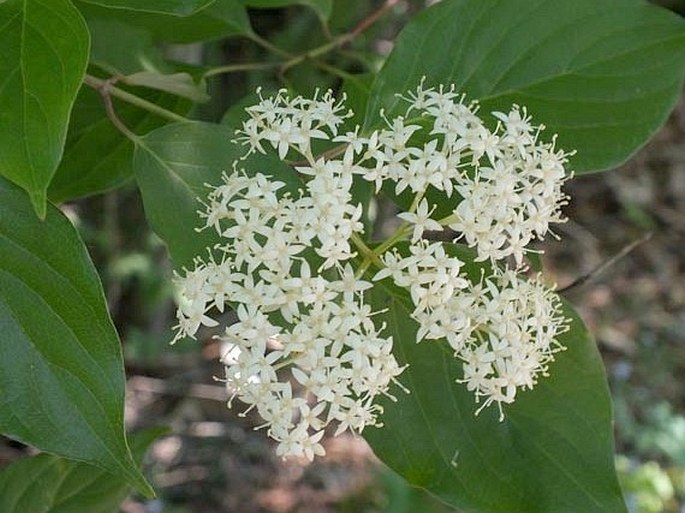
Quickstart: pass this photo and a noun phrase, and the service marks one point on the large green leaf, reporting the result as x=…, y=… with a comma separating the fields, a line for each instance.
x=603, y=74
x=323, y=8
x=50, y=484
x=173, y=164
x=45, y=52
x=552, y=453
x=173, y=7
x=61, y=369
x=97, y=157
x=109, y=54
x=221, y=19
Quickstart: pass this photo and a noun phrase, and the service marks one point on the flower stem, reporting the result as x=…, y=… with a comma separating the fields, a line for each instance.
x=400, y=233
x=365, y=250
x=452, y=218
x=415, y=203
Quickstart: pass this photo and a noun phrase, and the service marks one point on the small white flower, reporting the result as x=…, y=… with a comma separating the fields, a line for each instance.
x=421, y=220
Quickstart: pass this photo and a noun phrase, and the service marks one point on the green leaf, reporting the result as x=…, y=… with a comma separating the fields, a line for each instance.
x=61, y=370
x=173, y=164
x=179, y=84
x=323, y=8
x=236, y=114
x=552, y=452
x=357, y=88
x=603, y=74
x=49, y=484
x=45, y=52
x=109, y=54
x=221, y=19
x=173, y=7
x=97, y=157
x=401, y=497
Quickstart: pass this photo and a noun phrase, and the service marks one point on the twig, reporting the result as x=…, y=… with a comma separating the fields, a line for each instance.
x=181, y=476
x=581, y=280
x=333, y=70
x=247, y=66
x=107, y=90
x=328, y=154
x=104, y=88
x=372, y=18
x=162, y=387
x=256, y=38
x=339, y=41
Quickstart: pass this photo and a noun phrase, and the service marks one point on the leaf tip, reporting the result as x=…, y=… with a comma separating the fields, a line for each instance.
x=142, y=486
x=39, y=201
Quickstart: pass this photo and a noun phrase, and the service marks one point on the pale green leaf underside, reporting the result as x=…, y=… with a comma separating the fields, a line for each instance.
x=179, y=84
x=61, y=369
x=603, y=74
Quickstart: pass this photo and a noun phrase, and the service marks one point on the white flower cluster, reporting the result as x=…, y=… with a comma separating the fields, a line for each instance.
x=503, y=328
x=517, y=323
x=305, y=350
x=509, y=191
x=292, y=123
x=508, y=182
x=327, y=360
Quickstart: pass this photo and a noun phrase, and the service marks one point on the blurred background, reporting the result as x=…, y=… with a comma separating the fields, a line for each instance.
x=629, y=223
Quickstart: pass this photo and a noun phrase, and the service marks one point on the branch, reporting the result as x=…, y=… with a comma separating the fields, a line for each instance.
x=582, y=280
x=107, y=90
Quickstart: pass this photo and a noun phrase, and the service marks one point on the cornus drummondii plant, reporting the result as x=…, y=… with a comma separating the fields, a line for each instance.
x=307, y=349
